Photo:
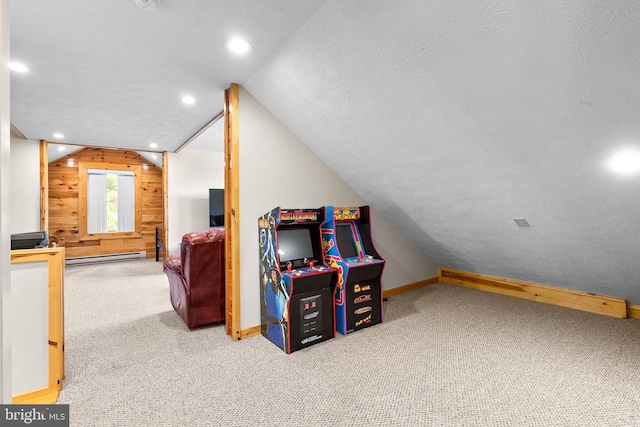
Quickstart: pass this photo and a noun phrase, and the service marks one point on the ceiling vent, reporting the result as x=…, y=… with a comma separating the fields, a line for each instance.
x=521, y=222
x=147, y=4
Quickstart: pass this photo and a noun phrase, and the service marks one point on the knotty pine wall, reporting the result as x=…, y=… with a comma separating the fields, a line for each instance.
x=64, y=203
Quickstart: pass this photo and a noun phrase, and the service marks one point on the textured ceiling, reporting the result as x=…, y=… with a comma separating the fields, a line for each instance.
x=110, y=74
x=212, y=139
x=451, y=118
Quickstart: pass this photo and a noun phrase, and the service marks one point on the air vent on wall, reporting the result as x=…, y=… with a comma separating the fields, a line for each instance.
x=147, y=4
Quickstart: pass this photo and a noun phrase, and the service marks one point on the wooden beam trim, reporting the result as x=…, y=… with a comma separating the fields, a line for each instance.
x=579, y=300
x=165, y=206
x=232, y=210
x=227, y=218
x=17, y=132
x=44, y=186
x=201, y=131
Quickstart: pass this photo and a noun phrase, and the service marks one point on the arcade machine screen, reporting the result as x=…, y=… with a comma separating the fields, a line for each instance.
x=294, y=244
x=346, y=243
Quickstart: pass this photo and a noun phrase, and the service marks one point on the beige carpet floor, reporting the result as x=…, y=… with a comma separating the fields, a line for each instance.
x=445, y=356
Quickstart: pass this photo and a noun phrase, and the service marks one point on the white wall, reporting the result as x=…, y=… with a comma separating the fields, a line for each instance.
x=277, y=169
x=5, y=200
x=191, y=173
x=25, y=185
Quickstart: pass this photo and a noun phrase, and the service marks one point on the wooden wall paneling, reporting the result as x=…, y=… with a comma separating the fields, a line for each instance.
x=66, y=216
x=138, y=174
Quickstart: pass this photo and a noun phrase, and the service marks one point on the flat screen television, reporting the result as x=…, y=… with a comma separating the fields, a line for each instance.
x=346, y=241
x=216, y=207
x=294, y=244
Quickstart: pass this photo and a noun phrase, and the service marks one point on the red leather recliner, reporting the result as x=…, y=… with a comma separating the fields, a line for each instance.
x=196, y=278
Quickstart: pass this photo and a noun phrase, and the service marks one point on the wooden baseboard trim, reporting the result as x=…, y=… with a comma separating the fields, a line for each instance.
x=633, y=311
x=411, y=286
x=44, y=396
x=249, y=332
x=585, y=301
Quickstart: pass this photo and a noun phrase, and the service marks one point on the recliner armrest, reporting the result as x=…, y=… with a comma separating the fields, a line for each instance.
x=174, y=264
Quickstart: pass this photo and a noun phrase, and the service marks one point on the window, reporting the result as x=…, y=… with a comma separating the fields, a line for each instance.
x=110, y=201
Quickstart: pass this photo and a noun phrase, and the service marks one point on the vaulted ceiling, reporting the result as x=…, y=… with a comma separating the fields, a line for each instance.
x=450, y=118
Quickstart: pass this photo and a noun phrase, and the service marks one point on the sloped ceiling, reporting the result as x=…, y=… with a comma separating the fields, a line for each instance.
x=451, y=118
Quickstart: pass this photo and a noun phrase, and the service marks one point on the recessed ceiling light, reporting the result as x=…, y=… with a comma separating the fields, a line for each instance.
x=238, y=46
x=153, y=145
x=61, y=148
x=153, y=156
x=626, y=161
x=58, y=135
x=187, y=99
x=18, y=67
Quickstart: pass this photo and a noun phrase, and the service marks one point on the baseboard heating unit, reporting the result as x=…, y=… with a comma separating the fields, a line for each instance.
x=105, y=258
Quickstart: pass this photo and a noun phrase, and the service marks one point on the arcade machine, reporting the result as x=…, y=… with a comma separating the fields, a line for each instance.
x=348, y=247
x=296, y=289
